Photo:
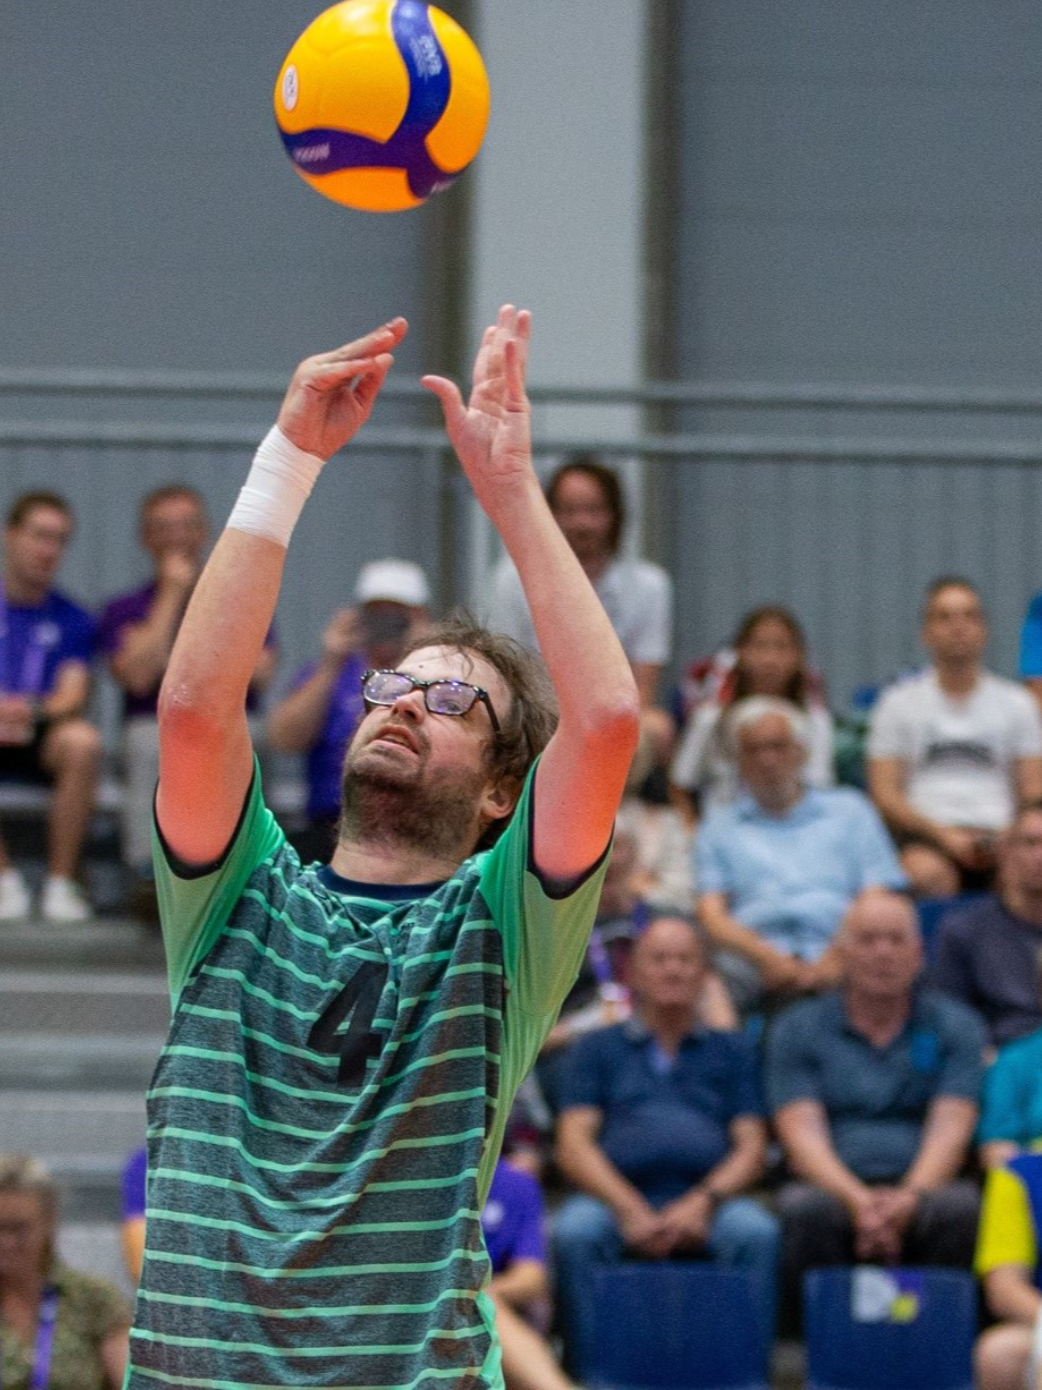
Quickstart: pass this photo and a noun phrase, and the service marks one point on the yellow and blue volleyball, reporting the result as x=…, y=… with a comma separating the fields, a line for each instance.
x=381, y=103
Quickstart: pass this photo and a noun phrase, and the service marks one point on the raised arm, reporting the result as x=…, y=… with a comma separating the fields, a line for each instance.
x=583, y=770
x=205, y=753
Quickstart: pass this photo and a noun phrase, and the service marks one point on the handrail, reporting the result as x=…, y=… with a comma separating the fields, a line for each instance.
x=405, y=439
x=753, y=395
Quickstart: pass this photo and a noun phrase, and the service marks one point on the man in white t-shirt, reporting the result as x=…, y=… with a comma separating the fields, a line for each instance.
x=953, y=752
x=586, y=500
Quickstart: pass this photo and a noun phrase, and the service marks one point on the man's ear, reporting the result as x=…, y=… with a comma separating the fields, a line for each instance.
x=500, y=799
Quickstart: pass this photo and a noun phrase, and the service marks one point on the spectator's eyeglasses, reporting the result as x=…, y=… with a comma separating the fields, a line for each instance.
x=440, y=697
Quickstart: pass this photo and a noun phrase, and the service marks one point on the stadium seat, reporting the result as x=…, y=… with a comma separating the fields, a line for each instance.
x=889, y=1329
x=676, y=1326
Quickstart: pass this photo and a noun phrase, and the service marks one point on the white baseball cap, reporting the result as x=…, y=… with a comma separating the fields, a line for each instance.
x=394, y=581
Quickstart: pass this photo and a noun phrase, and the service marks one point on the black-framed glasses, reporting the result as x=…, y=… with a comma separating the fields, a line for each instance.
x=440, y=697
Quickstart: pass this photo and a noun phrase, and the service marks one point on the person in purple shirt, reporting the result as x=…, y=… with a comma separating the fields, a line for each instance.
x=324, y=704
x=137, y=634
x=512, y=1224
x=46, y=644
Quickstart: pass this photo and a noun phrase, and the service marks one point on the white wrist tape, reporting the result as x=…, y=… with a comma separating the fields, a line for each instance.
x=278, y=485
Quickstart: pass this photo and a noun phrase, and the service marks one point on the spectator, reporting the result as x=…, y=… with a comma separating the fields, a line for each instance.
x=874, y=1091
x=769, y=658
x=587, y=503
x=778, y=869
x=662, y=1132
x=1008, y=1356
x=650, y=867
x=1011, y=1109
x=953, y=751
x=988, y=950
x=46, y=645
x=58, y=1328
x=324, y=705
x=137, y=634
x=512, y=1224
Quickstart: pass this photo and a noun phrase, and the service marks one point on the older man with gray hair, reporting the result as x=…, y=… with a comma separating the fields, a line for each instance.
x=777, y=869
x=874, y=1092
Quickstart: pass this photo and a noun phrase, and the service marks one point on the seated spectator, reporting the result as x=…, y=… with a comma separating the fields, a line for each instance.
x=58, y=1328
x=136, y=635
x=512, y=1224
x=46, y=646
x=655, y=844
x=662, y=1132
x=648, y=876
x=770, y=658
x=987, y=950
x=1008, y=1356
x=778, y=869
x=586, y=499
x=874, y=1090
x=1011, y=1106
x=952, y=752
x=324, y=704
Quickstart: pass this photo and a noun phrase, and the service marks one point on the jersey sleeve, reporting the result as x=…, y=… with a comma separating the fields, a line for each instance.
x=544, y=932
x=195, y=903
x=1006, y=1234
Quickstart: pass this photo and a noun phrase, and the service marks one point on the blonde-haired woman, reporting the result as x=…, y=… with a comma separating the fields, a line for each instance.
x=59, y=1329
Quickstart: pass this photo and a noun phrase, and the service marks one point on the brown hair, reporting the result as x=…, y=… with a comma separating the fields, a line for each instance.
x=605, y=478
x=949, y=581
x=796, y=690
x=21, y=1173
x=527, y=726
x=166, y=493
x=27, y=502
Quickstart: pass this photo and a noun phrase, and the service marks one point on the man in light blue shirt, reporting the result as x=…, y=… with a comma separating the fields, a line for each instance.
x=778, y=869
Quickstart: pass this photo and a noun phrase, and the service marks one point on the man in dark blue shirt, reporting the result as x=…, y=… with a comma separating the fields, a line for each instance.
x=661, y=1130
x=874, y=1090
x=989, y=950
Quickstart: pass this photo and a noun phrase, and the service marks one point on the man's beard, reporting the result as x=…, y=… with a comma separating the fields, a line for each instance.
x=408, y=807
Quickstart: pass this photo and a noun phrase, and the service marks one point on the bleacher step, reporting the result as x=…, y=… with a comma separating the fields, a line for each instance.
x=105, y=1061
x=110, y=942
x=83, y=1002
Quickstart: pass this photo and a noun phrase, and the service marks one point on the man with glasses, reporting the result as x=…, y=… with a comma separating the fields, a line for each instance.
x=347, y=1038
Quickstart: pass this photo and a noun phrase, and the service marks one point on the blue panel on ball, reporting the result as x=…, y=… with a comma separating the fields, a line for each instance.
x=324, y=151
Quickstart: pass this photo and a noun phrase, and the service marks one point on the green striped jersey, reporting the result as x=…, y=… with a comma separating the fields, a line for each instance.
x=325, y=1117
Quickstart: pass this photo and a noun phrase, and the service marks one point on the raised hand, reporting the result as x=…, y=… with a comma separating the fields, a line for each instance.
x=332, y=394
x=491, y=433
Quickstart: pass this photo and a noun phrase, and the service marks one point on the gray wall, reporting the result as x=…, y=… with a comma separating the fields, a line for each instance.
x=859, y=201
x=150, y=220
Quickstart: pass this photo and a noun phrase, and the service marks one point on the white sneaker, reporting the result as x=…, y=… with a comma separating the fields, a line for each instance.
x=62, y=900
x=15, y=901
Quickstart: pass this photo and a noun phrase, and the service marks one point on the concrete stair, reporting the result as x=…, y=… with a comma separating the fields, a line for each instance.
x=83, y=1015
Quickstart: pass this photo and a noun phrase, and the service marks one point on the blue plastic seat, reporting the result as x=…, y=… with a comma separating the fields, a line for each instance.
x=889, y=1329
x=676, y=1326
